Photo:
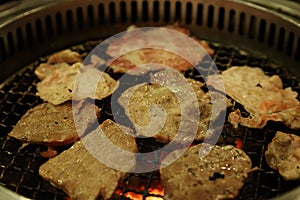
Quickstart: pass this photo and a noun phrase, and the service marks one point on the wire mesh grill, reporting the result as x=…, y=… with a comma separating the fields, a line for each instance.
x=19, y=165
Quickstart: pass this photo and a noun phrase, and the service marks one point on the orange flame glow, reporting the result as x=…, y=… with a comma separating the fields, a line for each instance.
x=134, y=196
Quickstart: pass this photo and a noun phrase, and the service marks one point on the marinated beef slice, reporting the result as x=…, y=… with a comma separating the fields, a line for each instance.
x=54, y=125
x=81, y=175
x=218, y=175
x=262, y=96
x=283, y=154
x=131, y=61
x=139, y=104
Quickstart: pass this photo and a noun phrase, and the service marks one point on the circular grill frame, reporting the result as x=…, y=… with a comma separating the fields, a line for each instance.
x=32, y=30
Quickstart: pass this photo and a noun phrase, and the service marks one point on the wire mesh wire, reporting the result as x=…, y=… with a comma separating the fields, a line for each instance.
x=19, y=164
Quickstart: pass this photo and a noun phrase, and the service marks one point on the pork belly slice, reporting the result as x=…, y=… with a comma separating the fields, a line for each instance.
x=137, y=102
x=262, y=96
x=54, y=125
x=283, y=154
x=62, y=59
x=59, y=87
x=81, y=175
x=218, y=175
x=130, y=62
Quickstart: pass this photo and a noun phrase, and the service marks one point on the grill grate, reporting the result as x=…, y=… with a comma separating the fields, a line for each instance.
x=19, y=165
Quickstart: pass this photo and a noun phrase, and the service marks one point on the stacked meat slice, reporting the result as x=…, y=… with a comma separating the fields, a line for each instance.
x=61, y=82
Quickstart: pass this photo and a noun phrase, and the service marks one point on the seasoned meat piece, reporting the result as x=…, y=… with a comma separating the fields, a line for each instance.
x=46, y=69
x=132, y=60
x=66, y=56
x=81, y=175
x=261, y=95
x=59, y=60
x=218, y=175
x=139, y=100
x=59, y=87
x=283, y=154
x=53, y=125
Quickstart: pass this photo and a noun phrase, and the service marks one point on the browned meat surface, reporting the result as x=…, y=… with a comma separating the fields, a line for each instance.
x=59, y=86
x=138, y=101
x=52, y=125
x=67, y=56
x=261, y=95
x=81, y=175
x=62, y=59
x=283, y=154
x=219, y=175
x=45, y=69
x=132, y=61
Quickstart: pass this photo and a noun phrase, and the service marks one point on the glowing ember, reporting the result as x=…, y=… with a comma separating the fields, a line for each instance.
x=133, y=196
x=152, y=191
x=156, y=191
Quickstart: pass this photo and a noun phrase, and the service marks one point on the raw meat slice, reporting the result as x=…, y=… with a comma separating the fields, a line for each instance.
x=81, y=175
x=283, y=154
x=218, y=175
x=261, y=95
x=130, y=62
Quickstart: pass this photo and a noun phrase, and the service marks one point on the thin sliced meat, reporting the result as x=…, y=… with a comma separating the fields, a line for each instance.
x=67, y=56
x=130, y=62
x=59, y=87
x=262, y=96
x=81, y=175
x=45, y=69
x=283, y=154
x=59, y=60
x=53, y=125
x=218, y=175
x=138, y=102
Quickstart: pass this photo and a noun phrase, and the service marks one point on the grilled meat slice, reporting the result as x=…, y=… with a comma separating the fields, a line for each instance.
x=81, y=175
x=53, y=125
x=67, y=56
x=218, y=175
x=283, y=154
x=46, y=69
x=137, y=102
x=130, y=62
x=62, y=59
x=59, y=86
x=261, y=95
